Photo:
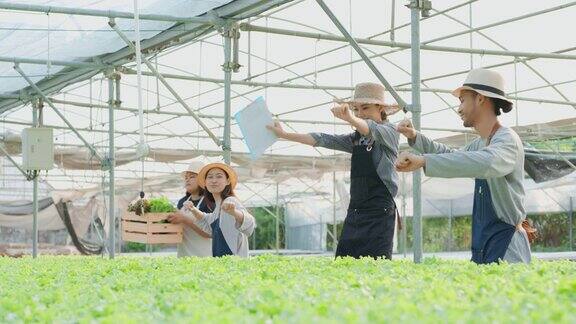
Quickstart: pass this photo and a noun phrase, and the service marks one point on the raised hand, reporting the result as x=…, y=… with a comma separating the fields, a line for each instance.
x=229, y=208
x=277, y=129
x=406, y=128
x=408, y=162
x=342, y=112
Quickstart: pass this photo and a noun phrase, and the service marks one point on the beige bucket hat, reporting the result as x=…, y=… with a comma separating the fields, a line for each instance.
x=487, y=83
x=371, y=93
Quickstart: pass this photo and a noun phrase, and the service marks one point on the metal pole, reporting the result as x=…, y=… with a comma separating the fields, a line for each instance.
x=37, y=106
x=360, y=52
x=111, y=164
x=17, y=60
x=334, y=224
x=138, y=53
x=277, y=221
x=516, y=90
x=416, y=109
x=450, y=225
x=314, y=87
x=571, y=225
x=100, y=13
x=286, y=120
x=240, y=82
x=254, y=239
x=249, y=59
x=35, y=215
x=471, y=37
x=117, y=103
x=227, y=67
x=118, y=100
x=399, y=46
x=13, y=122
x=404, y=228
x=392, y=19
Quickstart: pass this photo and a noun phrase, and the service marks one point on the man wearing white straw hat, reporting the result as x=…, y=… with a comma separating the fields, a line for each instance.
x=195, y=241
x=495, y=160
x=370, y=221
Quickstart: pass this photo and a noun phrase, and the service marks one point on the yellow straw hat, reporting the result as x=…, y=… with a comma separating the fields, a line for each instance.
x=232, y=176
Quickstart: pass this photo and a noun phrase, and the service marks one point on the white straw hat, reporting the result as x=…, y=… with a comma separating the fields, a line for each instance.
x=194, y=167
x=487, y=83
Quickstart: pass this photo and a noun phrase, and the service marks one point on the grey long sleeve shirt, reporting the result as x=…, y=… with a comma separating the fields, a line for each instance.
x=501, y=163
x=385, y=141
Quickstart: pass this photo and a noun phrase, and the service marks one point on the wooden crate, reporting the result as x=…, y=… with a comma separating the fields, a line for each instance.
x=148, y=229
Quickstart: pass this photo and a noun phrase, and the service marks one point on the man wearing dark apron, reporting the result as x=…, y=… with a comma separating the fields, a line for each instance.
x=495, y=160
x=490, y=236
x=369, y=226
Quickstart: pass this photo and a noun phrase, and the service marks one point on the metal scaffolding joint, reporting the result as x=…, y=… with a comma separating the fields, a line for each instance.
x=423, y=5
x=231, y=66
x=414, y=108
x=112, y=73
x=231, y=30
x=107, y=164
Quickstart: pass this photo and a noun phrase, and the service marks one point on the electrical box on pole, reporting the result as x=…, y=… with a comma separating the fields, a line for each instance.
x=37, y=148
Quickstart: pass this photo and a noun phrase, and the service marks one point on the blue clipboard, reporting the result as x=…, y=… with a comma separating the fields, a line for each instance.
x=252, y=121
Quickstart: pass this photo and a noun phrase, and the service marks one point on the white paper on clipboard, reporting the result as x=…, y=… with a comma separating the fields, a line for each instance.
x=252, y=121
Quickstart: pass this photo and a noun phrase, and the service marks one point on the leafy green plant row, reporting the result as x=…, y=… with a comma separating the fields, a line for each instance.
x=283, y=289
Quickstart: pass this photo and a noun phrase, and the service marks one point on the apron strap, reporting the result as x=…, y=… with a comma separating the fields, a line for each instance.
x=493, y=132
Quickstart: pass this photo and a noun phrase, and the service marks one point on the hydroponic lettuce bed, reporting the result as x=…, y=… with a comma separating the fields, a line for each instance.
x=283, y=289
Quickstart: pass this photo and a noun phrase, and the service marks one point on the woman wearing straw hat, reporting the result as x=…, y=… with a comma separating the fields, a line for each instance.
x=495, y=160
x=195, y=241
x=230, y=224
x=369, y=225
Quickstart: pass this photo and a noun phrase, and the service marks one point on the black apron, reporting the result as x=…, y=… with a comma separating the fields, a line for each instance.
x=490, y=235
x=369, y=225
x=219, y=246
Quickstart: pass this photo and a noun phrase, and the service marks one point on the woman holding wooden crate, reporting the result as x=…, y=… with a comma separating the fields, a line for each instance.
x=230, y=224
x=195, y=241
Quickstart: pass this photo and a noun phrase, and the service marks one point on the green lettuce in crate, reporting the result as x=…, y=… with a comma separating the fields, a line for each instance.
x=161, y=205
x=139, y=206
